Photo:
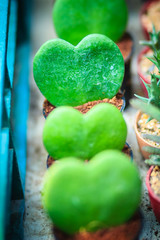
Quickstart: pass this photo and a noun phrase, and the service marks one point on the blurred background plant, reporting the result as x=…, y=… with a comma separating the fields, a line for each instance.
x=153, y=112
x=153, y=88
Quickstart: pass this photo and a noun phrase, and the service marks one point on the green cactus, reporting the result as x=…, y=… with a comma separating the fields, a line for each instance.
x=153, y=88
x=154, y=42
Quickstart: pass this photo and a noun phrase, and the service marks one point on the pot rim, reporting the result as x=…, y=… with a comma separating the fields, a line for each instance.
x=140, y=73
x=150, y=191
x=136, y=129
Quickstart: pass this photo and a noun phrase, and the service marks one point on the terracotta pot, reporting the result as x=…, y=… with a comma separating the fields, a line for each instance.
x=140, y=73
x=155, y=200
x=144, y=9
x=50, y=160
x=141, y=141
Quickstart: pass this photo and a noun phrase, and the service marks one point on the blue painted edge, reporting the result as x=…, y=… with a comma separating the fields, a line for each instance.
x=4, y=5
x=11, y=47
x=4, y=145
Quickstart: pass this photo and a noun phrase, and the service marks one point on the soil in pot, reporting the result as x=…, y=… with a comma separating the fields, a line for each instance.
x=127, y=150
x=117, y=101
x=152, y=127
x=141, y=127
x=150, y=14
x=127, y=231
x=155, y=180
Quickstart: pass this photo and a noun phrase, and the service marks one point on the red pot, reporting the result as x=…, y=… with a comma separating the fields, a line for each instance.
x=140, y=73
x=143, y=11
x=155, y=200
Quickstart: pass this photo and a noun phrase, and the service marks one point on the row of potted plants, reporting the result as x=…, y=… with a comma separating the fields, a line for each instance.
x=70, y=137
x=86, y=190
x=147, y=124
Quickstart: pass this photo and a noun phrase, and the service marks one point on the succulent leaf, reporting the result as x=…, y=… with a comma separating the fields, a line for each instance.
x=154, y=138
x=153, y=150
x=153, y=160
x=151, y=110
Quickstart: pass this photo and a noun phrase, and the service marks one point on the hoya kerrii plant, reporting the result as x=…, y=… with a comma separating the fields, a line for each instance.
x=85, y=197
x=69, y=133
x=74, y=75
x=74, y=20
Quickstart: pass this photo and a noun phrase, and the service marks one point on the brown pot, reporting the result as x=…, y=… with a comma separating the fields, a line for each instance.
x=141, y=141
x=128, y=231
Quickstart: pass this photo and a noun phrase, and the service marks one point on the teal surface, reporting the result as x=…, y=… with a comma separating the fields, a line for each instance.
x=14, y=94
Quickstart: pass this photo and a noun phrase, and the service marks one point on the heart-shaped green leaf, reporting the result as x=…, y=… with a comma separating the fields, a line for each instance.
x=87, y=196
x=68, y=133
x=68, y=75
x=73, y=20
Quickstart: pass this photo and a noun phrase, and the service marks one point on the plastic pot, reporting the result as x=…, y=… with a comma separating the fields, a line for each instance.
x=154, y=199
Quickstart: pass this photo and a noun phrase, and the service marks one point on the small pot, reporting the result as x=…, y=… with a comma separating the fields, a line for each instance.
x=126, y=46
x=155, y=200
x=140, y=73
x=126, y=149
x=48, y=107
x=141, y=141
x=127, y=231
x=144, y=10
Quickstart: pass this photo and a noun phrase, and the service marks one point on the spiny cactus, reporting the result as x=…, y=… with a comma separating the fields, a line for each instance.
x=153, y=88
x=154, y=112
x=154, y=42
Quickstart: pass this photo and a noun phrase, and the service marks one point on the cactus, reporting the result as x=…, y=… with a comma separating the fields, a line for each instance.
x=154, y=42
x=154, y=112
x=153, y=88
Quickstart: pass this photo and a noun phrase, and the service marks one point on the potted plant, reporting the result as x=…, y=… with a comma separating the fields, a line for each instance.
x=74, y=20
x=153, y=174
x=145, y=124
x=150, y=15
x=68, y=75
x=149, y=53
x=89, y=200
x=69, y=133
